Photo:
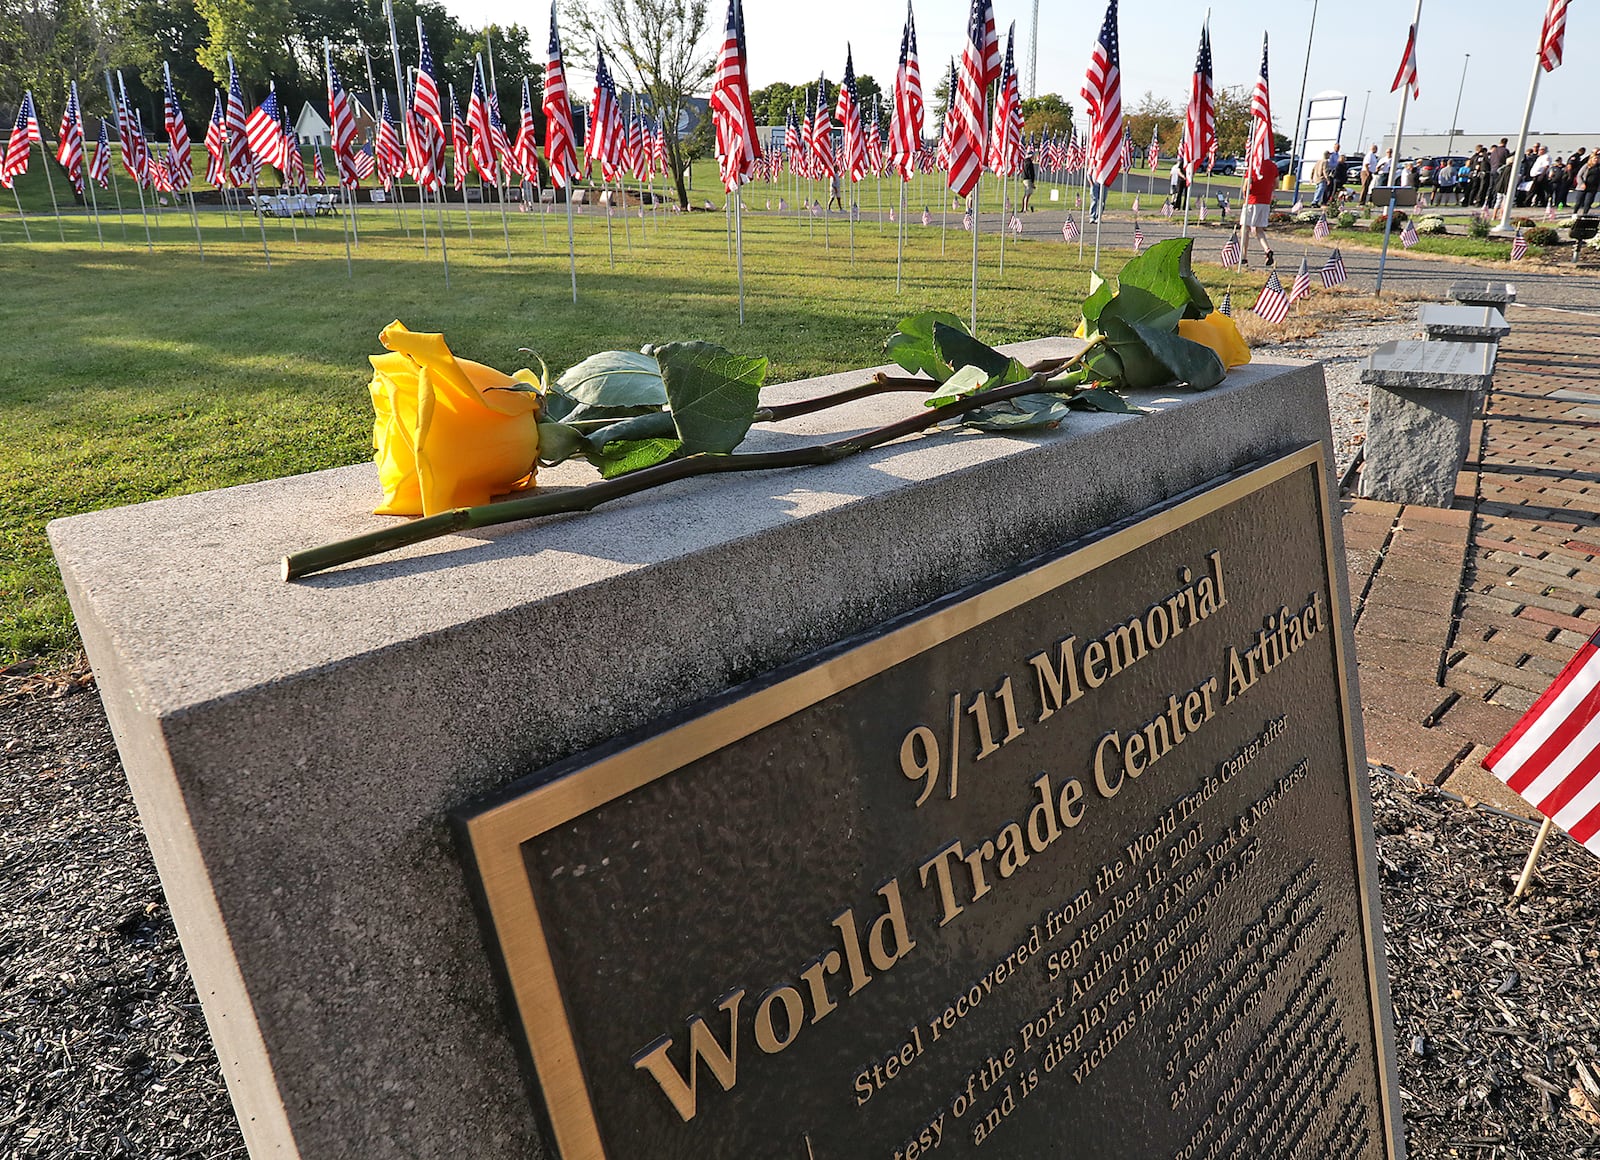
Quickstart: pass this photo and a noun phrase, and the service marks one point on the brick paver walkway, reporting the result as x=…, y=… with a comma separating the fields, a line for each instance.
x=1464, y=615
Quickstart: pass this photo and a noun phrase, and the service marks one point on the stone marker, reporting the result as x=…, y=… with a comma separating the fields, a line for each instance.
x=1475, y=293
x=1464, y=323
x=1423, y=397
x=776, y=667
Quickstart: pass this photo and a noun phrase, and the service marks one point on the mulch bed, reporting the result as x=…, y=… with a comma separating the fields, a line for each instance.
x=104, y=1051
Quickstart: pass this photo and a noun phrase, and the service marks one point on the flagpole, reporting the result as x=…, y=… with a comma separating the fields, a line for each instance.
x=406, y=127
x=377, y=124
x=1394, y=168
x=1515, y=160
x=88, y=180
x=137, y=184
x=44, y=158
x=900, y=240
x=27, y=234
x=111, y=170
x=1533, y=859
x=572, y=255
x=194, y=214
x=499, y=162
x=465, y=208
x=738, y=229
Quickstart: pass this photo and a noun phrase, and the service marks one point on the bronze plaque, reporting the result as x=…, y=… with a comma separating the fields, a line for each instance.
x=1071, y=863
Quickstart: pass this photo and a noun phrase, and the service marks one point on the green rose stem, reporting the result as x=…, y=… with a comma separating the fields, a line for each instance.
x=588, y=498
x=881, y=384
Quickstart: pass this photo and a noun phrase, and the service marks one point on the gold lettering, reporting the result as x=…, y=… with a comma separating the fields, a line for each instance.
x=940, y=865
x=723, y=1062
x=794, y=1015
x=1058, y=683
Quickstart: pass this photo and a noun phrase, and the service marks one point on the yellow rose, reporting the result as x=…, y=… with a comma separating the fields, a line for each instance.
x=1219, y=333
x=448, y=433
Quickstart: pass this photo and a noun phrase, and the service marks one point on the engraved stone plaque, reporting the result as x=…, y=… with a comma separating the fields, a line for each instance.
x=1073, y=863
x=1440, y=366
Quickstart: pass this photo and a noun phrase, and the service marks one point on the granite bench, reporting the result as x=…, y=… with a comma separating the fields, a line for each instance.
x=1423, y=397
x=1474, y=293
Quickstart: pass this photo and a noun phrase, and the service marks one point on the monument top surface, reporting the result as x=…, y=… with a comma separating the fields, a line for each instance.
x=1464, y=322
x=199, y=610
x=1442, y=366
x=1484, y=293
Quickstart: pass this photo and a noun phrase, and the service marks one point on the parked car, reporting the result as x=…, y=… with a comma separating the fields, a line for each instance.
x=1226, y=167
x=1428, y=168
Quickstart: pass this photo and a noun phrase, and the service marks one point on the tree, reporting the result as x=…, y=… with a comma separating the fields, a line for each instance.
x=44, y=46
x=1154, y=114
x=1233, y=123
x=1046, y=114
x=657, y=48
x=772, y=104
x=253, y=32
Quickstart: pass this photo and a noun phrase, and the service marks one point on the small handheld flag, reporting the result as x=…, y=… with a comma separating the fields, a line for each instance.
x=1069, y=229
x=1302, y=283
x=1408, y=235
x=1232, y=251
x=1519, y=247
x=1273, y=305
x=1333, y=274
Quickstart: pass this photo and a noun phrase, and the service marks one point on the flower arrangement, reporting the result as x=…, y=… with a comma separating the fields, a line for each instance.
x=450, y=435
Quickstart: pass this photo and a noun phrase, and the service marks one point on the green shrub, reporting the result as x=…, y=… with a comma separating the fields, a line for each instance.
x=1478, y=226
x=1542, y=236
x=1346, y=220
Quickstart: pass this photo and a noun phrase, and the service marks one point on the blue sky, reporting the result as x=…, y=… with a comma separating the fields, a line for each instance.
x=1357, y=47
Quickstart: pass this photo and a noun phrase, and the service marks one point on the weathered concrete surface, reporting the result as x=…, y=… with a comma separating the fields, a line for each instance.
x=1463, y=323
x=1439, y=366
x=1484, y=293
x=294, y=748
x=1416, y=444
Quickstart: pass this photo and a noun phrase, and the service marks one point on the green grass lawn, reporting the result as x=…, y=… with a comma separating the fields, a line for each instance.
x=136, y=374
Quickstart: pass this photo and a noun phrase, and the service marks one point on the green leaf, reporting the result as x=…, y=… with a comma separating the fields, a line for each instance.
x=959, y=349
x=652, y=425
x=917, y=354
x=921, y=325
x=1140, y=367
x=1100, y=293
x=964, y=382
x=714, y=394
x=1188, y=362
x=1105, y=365
x=615, y=378
x=624, y=457
x=1161, y=271
x=1133, y=304
x=559, y=443
x=1096, y=399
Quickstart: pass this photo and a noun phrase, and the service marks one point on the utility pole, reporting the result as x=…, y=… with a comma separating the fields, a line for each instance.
x=1033, y=54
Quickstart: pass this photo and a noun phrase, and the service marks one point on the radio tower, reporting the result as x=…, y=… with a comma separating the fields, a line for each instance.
x=1033, y=54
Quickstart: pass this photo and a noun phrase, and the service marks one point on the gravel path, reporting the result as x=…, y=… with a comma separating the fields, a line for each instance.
x=1343, y=352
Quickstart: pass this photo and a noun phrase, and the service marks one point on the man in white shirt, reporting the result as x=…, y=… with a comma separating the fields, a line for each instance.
x=1539, y=178
x=1369, y=173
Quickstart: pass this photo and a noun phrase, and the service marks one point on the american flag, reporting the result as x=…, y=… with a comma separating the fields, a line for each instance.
x=525, y=153
x=947, y=126
x=1550, y=756
x=1519, y=247
x=160, y=175
x=1408, y=68
x=1076, y=156
x=499, y=142
x=1408, y=234
x=1260, y=121
x=638, y=155
x=1166, y=208
x=342, y=130
x=1302, y=283
x=135, y=148
x=980, y=68
x=1333, y=274
x=1232, y=250
x=241, y=165
x=69, y=150
x=738, y=141
x=1136, y=203
x=1298, y=206
x=849, y=115
x=19, y=144
x=874, y=144
x=318, y=173
x=905, y=126
x=1202, y=211
x=264, y=133
x=459, y=143
x=1069, y=229
x=363, y=163
x=1127, y=148
x=927, y=218
x=1322, y=229
x=605, y=139
x=966, y=220
x=1005, y=139
x=426, y=99
x=1553, y=39
x=389, y=160
x=1226, y=307
x=1153, y=157
x=820, y=145
x=483, y=152
x=1550, y=212
x=294, y=175
x=178, y=161
x=560, y=150
x=1273, y=305
x=1138, y=238
x=1200, y=120
x=216, y=144
x=1102, y=94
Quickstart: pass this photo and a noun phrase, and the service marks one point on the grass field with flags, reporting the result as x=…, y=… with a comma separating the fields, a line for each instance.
x=134, y=374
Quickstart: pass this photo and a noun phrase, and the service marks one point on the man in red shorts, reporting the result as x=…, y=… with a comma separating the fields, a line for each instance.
x=1258, y=189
